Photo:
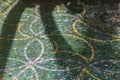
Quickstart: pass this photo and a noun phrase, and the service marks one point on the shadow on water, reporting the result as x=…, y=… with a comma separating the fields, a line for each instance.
x=12, y=20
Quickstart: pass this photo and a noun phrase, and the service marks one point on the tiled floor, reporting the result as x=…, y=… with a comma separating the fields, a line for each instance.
x=58, y=42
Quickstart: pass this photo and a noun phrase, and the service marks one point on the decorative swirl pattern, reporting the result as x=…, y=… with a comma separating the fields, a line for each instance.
x=34, y=57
